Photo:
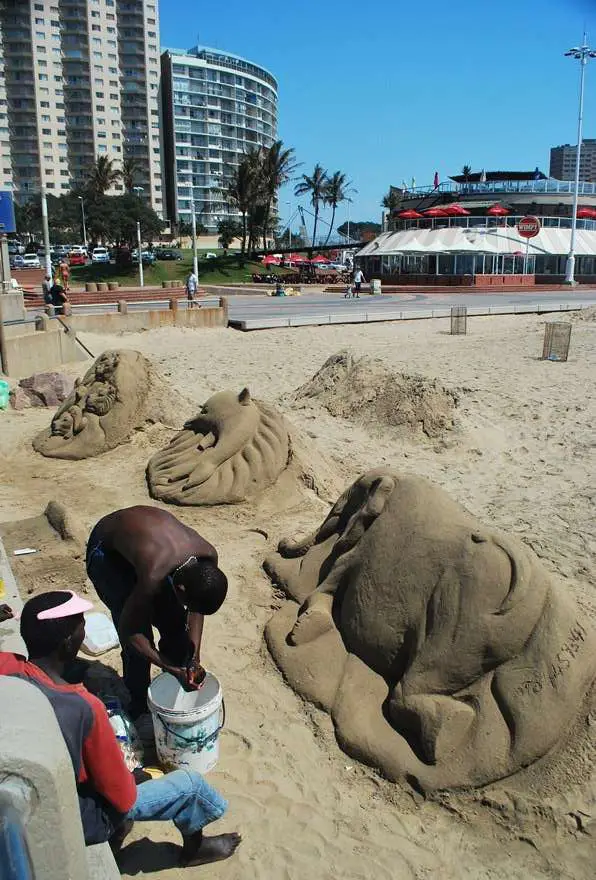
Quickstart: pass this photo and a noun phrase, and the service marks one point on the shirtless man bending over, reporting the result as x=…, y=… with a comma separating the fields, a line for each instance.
x=153, y=571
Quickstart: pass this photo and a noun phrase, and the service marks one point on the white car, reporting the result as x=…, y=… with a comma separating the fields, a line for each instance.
x=31, y=261
x=78, y=249
x=100, y=255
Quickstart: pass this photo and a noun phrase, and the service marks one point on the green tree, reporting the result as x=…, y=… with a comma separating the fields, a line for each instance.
x=391, y=200
x=228, y=229
x=335, y=192
x=129, y=173
x=359, y=227
x=466, y=171
x=275, y=168
x=102, y=176
x=313, y=185
x=243, y=190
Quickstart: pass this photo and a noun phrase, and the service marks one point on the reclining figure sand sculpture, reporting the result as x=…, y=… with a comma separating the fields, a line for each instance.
x=120, y=393
x=232, y=450
x=444, y=652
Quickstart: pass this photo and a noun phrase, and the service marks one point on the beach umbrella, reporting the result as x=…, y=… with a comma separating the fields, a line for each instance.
x=585, y=213
x=319, y=259
x=435, y=212
x=409, y=214
x=270, y=261
x=498, y=211
x=297, y=258
x=456, y=211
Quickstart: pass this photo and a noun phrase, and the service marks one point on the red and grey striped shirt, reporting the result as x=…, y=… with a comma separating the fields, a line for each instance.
x=105, y=786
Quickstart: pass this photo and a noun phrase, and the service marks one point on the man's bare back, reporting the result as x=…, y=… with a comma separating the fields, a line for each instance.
x=153, y=540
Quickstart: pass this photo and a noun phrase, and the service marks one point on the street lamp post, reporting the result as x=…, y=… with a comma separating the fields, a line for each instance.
x=82, y=201
x=195, y=256
x=581, y=54
x=46, y=232
x=139, y=190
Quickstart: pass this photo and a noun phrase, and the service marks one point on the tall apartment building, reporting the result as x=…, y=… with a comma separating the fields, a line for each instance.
x=78, y=79
x=215, y=107
x=562, y=161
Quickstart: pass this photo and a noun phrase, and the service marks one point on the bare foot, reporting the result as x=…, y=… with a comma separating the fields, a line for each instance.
x=209, y=849
x=311, y=624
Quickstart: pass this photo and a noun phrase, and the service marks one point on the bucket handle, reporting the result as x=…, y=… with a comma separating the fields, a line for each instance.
x=200, y=742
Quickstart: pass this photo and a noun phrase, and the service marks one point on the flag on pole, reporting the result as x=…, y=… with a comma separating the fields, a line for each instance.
x=483, y=176
x=413, y=183
x=436, y=180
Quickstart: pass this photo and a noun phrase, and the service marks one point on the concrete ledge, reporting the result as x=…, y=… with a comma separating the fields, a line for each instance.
x=132, y=321
x=35, y=352
x=13, y=306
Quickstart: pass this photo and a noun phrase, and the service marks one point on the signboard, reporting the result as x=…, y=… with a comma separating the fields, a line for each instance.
x=7, y=219
x=528, y=227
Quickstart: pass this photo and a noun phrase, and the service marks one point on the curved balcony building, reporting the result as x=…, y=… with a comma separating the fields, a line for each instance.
x=216, y=106
x=467, y=227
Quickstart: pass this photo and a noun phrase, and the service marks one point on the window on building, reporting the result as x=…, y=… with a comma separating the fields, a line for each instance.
x=51, y=185
x=44, y=103
x=39, y=20
x=42, y=76
x=45, y=118
x=96, y=27
x=101, y=148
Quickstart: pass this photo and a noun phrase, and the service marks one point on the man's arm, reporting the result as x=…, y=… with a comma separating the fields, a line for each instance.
x=134, y=618
x=195, y=633
x=104, y=762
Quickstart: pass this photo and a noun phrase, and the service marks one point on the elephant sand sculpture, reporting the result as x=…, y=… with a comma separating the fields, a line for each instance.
x=444, y=652
x=232, y=450
x=119, y=394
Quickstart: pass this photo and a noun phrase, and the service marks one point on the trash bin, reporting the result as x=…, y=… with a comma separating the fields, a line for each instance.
x=375, y=286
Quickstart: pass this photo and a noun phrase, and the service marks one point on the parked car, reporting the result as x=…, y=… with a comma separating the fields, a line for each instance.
x=17, y=261
x=210, y=256
x=31, y=261
x=78, y=249
x=15, y=247
x=148, y=257
x=167, y=254
x=62, y=249
x=77, y=259
x=100, y=255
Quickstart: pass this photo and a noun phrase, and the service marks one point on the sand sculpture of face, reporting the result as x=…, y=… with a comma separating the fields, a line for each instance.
x=104, y=408
x=443, y=650
x=233, y=449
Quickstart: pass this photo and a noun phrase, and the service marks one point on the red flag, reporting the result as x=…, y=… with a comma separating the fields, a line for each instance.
x=436, y=183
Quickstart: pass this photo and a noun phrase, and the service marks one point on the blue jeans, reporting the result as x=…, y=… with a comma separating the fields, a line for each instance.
x=182, y=796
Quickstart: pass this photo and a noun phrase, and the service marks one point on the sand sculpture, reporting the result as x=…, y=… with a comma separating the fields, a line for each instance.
x=119, y=394
x=232, y=450
x=443, y=650
x=364, y=389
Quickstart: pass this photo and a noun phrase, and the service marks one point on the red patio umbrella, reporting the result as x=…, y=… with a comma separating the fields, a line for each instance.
x=498, y=211
x=585, y=213
x=409, y=214
x=319, y=259
x=456, y=211
x=270, y=260
x=297, y=258
x=435, y=212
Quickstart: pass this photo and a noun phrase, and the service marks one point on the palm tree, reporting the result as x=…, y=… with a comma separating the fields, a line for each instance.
x=103, y=175
x=129, y=172
x=336, y=191
x=243, y=189
x=391, y=200
x=466, y=171
x=277, y=166
x=314, y=186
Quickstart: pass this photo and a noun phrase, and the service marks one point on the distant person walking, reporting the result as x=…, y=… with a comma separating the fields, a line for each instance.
x=192, y=284
x=358, y=280
x=46, y=291
x=64, y=272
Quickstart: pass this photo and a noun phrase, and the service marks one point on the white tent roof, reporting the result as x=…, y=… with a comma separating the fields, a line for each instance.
x=479, y=240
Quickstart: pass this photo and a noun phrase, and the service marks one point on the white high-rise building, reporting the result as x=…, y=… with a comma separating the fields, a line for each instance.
x=215, y=107
x=78, y=79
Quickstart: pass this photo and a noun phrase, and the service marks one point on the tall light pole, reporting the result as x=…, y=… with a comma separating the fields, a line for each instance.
x=581, y=54
x=46, y=232
x=195, y=256
x=289, y=204
x=82, y=201
x=139, y=190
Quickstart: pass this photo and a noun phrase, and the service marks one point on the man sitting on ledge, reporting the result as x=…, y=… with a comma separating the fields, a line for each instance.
x=53, y=629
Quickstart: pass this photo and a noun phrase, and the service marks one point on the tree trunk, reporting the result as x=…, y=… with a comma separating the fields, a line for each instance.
x=331, y=226
x=314, y=229
x=243, y=232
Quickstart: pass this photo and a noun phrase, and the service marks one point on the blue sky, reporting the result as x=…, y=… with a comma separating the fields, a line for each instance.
x=390, y=90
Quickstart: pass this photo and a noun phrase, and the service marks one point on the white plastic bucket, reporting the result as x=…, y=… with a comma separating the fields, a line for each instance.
x=186, y=723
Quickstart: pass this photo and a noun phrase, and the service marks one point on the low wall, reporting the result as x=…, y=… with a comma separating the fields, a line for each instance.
x=133, y=321
x=461, y=280
x=13, y=306
x=35, y=352
x=504, y=280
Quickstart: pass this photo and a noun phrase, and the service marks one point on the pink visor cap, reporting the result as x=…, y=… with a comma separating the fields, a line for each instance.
x=74, y=605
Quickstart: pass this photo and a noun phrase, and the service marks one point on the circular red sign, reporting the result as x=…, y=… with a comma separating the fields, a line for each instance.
x=529, y=226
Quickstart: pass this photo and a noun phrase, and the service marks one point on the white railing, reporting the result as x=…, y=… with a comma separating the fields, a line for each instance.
x=494, y=187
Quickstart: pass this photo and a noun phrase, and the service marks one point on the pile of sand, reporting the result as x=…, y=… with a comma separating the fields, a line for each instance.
x=585, y=315
x=364, y=389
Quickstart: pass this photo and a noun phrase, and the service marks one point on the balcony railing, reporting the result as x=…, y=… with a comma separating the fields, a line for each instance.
x=486, y=223
x=496, y=187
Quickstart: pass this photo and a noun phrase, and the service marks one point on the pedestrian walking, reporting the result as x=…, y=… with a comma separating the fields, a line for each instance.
x=192, y=283
x=358, y=280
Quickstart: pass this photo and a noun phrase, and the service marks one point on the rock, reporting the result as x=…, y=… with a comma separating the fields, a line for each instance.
x=19, y=399
x=46, y=389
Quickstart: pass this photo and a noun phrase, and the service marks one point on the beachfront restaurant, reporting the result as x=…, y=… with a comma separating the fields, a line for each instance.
x=467, y=233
